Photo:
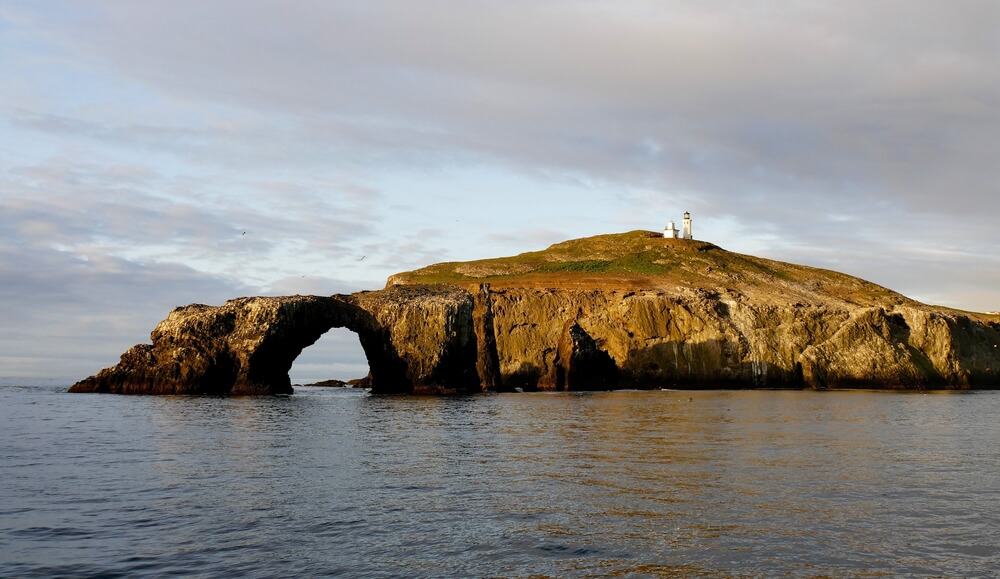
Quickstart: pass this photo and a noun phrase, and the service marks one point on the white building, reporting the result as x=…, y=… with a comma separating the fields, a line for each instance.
x=670, y=231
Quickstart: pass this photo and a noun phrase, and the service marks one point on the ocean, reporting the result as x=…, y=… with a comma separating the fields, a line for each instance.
x=335, y=482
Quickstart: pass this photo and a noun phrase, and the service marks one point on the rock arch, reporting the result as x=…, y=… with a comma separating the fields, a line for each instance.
x=297, y=323
x=416, y=340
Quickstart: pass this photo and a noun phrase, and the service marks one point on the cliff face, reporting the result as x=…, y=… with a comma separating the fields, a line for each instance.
x=614, y=311
x=702, y=339
x=415, y=339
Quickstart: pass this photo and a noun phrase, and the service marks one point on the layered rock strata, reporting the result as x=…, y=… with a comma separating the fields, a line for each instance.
x=586, y=339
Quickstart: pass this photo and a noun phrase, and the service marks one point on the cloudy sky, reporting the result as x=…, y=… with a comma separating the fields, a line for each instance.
x=139, y=140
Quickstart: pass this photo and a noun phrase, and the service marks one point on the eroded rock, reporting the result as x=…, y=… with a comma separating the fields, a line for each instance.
x=626, y=310
x=415, y=339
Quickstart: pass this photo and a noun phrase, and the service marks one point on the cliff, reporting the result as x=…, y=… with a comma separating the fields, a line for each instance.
x=626, y=310
x=416, y=340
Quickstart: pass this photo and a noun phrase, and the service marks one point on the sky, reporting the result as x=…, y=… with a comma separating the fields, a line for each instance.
x=160, y=153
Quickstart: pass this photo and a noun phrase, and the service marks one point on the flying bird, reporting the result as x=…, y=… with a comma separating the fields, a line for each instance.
x=363, y=258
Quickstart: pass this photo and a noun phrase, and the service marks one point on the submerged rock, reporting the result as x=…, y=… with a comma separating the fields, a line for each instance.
x=613, y=311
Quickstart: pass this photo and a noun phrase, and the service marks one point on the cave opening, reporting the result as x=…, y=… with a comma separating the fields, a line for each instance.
x=337, y=355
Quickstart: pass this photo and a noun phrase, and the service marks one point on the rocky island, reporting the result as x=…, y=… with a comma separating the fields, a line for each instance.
x=630, y=310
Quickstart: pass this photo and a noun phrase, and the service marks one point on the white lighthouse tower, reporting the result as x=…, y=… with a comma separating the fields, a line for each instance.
x=670, y=231
x=686, y=225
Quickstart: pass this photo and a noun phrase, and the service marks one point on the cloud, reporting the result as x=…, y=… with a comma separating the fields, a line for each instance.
x=65, y=315
x=130, y=211
x=91, y=259
x=762, y=112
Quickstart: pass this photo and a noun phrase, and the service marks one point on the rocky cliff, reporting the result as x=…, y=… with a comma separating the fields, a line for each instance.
x=572, y=339
x=627, y=310
x=416, y=339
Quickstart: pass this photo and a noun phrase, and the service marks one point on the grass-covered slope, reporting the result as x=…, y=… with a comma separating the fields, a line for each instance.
x=645, y=260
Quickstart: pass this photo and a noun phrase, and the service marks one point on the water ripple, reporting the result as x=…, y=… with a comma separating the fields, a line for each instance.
x=336, y=482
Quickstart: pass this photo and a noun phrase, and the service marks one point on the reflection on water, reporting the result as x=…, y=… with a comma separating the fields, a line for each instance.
x=653, y=483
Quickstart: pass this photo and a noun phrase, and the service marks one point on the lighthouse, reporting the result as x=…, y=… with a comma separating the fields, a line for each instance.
x=686, y=226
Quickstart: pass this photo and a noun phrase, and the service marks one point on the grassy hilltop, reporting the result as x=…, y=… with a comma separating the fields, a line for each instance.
x=645, y=260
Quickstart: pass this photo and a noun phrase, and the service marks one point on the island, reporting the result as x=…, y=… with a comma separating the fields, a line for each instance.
x=632, y=310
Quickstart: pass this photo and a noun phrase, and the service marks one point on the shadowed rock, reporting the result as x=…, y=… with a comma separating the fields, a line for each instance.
x=580, y=364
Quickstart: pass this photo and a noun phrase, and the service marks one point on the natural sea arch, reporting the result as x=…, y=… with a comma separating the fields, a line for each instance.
x=300, y=328
x=337, y=355
x=418, y=340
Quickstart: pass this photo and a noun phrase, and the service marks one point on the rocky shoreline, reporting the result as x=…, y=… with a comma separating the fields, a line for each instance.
x=745, y=323
x=432, y=339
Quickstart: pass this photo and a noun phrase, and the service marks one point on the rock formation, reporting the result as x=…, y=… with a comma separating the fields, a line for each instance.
x=335, y=383
x=626, y=310
x=416, y=339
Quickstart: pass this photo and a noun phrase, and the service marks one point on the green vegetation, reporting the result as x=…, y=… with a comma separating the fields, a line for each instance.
x=641, y=263
x=646, y=259
x=589, y=265
x=636, y=253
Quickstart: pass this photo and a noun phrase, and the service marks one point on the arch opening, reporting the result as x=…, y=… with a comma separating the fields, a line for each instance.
x=337, y=356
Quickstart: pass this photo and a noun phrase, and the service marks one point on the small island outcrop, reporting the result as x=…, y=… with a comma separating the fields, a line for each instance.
x=632, y=310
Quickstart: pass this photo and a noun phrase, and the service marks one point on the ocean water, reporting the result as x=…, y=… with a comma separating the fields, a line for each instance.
x=335, y=482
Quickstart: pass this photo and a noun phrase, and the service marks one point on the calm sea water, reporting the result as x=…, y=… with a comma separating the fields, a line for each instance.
x=337, y=482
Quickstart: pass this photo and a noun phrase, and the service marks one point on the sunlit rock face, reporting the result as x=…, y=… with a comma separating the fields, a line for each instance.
x=629, y=310
x=434, y=339
x=416, y=340
x=695, y=339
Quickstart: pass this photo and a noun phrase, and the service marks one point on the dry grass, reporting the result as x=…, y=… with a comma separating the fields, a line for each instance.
x=644, y=259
